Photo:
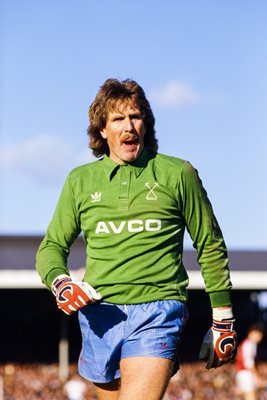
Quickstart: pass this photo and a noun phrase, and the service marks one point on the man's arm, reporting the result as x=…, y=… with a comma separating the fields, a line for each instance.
x=51, y=259
x=64, y=228
x=207, y=237
x=219, y=344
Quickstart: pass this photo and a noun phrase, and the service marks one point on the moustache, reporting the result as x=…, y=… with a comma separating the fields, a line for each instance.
x=129, y=138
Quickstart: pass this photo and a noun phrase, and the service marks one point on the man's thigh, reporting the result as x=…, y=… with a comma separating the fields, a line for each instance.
x=144, y=378
x=108, y=391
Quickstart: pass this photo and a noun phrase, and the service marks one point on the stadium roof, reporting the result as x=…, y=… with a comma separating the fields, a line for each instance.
x=17, y=264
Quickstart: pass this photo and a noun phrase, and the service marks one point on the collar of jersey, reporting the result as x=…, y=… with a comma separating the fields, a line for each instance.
x=137, y=166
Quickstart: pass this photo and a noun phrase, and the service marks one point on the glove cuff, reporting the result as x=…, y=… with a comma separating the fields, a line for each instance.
x=58, y=281
x=220, y=314
x=223, y=326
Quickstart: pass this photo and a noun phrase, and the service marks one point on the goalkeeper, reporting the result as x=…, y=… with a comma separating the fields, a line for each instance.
x=133, y=206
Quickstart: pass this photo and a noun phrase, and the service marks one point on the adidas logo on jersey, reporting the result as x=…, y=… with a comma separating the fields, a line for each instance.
x=95, y=197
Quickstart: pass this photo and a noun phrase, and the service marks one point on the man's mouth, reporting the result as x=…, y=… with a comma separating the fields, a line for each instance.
x=130, y=141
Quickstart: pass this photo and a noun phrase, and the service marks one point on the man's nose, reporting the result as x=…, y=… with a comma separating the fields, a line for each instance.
x=128, y=125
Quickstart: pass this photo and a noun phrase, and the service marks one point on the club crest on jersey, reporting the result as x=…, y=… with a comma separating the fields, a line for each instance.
x=95, y=197
x=151, y=194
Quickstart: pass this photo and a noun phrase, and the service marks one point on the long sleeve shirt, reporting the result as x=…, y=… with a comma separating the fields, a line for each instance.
x=133, y=219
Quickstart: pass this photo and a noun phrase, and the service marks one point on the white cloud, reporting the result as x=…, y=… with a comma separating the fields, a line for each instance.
x=45, y=158
x=175, y=94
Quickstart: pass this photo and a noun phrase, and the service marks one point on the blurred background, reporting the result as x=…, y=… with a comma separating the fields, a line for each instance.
x=203, y=67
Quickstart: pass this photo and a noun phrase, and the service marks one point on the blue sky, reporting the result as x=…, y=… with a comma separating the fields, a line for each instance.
x=202, y=65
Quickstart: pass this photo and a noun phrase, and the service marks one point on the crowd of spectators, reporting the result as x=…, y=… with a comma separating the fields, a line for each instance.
x=192, y=382
x=41, y=382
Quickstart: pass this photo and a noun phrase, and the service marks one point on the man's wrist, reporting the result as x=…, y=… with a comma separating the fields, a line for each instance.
x=222, y=313
x=58, y=282
x=52, y=275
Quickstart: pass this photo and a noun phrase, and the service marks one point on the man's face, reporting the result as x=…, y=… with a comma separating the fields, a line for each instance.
x=256, y=336
x=124, y=132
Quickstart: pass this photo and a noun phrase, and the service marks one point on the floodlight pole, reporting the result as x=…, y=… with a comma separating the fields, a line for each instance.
x=63, y=348
x=2, y=386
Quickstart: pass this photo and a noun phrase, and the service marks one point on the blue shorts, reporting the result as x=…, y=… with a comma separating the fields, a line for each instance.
x=111, y=332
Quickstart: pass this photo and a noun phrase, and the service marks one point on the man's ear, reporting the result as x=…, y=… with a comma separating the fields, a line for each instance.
x=103, y=133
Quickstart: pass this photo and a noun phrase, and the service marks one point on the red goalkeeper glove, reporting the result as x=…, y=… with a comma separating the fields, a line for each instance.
x=219, y=344
x=71, y=296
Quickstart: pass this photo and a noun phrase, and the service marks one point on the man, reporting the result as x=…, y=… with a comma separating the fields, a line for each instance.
x=133, y=206
x=247, y=381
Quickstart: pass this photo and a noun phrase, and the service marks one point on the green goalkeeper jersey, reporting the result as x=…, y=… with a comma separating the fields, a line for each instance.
x=133, y=218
